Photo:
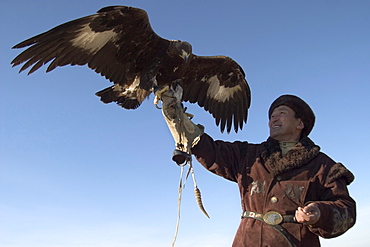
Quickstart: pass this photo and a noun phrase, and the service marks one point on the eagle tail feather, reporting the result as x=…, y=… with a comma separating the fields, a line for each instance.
x=109, y=95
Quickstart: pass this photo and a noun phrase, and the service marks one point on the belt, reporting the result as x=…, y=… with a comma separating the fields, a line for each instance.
x=273, y=219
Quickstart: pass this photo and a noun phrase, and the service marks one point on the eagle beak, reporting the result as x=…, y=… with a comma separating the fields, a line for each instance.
x=185, y=55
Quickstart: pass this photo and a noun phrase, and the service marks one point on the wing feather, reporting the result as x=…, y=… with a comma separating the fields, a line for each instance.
x=201, y=95
x=223, y=90
x=116, y=42
x=194, y=87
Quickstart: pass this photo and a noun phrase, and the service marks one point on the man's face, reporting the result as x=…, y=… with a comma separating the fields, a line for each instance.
x=284, y=126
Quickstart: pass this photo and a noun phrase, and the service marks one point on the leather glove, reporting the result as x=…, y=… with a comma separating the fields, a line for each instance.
x=185, y=133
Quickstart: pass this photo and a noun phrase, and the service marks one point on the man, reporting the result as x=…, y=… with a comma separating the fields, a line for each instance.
x=291, y=193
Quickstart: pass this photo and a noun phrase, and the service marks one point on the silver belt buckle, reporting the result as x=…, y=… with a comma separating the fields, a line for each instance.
x=272, y=218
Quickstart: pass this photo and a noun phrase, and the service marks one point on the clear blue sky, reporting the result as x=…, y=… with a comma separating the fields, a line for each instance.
x=75, y=172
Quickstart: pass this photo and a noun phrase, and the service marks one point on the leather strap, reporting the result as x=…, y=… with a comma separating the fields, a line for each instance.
x=273, y=219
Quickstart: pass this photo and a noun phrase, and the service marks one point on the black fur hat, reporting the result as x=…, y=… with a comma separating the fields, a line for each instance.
x=301, y=108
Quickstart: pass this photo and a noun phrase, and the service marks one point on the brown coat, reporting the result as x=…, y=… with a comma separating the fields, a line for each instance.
x=269, y=182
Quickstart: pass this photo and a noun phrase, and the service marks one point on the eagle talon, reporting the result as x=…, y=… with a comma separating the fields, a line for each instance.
x=159, y=93
x=158, y=96
x=156, y=102
x=190, y=116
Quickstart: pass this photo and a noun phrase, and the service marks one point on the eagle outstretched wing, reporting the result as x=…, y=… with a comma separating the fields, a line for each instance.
x=218, y=84
x=116, y=42
x=119, y=43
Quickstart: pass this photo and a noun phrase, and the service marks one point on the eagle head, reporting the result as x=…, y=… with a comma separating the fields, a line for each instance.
x=181, y=48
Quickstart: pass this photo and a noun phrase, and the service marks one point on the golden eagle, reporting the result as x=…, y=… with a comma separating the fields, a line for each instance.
x=119, y=43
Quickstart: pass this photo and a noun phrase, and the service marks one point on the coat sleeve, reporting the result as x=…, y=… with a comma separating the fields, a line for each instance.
x=338, y=209
x=219, y=157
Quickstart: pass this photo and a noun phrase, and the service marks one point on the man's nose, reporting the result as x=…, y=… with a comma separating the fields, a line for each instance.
x=273, y=117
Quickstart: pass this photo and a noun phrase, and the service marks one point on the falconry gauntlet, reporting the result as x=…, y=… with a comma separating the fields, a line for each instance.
x=185, y=133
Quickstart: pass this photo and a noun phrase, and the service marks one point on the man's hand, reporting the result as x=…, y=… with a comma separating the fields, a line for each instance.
x=308, y=215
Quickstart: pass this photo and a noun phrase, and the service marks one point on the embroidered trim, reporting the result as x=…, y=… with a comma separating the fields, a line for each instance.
x=341, y=221
x=293, y=192
x=258, y=187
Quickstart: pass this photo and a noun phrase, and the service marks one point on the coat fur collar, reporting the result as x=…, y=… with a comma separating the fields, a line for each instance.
x=301, y=154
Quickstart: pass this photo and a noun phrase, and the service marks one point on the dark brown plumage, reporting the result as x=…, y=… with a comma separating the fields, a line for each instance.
x=119, y=43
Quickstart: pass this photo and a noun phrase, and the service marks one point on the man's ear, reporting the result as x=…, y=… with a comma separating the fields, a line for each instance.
x=300, y=125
